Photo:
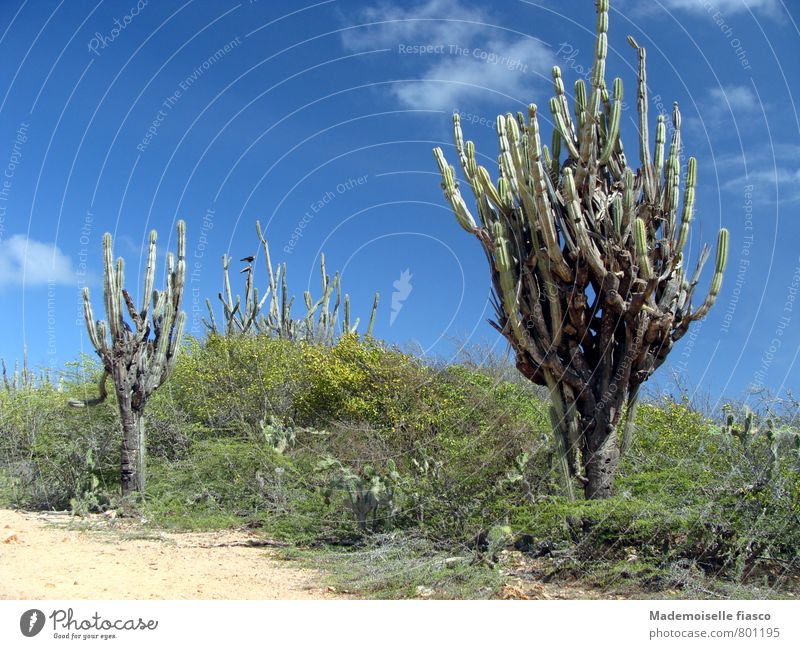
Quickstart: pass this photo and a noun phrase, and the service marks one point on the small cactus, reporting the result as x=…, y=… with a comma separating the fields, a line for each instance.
x=743, y=432
x=778, y=440
x=369, y=492
x=276, y=434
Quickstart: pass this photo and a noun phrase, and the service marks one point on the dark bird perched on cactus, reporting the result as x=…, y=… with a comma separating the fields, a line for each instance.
x=587, y=256
x=138, y=359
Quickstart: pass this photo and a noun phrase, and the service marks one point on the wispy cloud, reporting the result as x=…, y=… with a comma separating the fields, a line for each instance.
x=771, y=166
x=777, y=183
x=770, y=8
x=775, y=172
x=738, y=99
x=727, y=111
x=466, y=60
x=28, y=262
x=725, y=6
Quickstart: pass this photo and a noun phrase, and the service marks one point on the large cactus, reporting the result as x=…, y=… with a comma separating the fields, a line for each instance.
x=246, y=315
x=139, y=358
x=587, y=257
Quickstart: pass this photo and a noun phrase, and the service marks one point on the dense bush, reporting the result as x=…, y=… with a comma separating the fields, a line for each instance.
x=451, y=434
x=687, y=491
x=51, y=454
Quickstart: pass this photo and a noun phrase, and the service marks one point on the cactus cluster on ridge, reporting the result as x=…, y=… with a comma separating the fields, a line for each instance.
x=22, y=378
x=248, y=314
x=588, y=256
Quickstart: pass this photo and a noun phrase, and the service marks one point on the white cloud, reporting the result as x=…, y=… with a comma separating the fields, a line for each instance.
x=470, y=59
x=777, y=181
x=33, y=263
x=770, y=8
x=774, y=171
x=727, y=111
x=739, y=99
x=433, y=21
x=725, y=6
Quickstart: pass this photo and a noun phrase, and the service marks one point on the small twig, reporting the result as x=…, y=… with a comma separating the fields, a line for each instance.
x=252, y=543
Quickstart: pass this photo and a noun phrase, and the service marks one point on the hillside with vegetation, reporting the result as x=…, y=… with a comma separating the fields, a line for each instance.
x=402, y=476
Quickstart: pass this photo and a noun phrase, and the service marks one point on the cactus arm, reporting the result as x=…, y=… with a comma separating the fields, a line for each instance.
x=661, y=139
x=544, y=209
x=562, y=125
x=178, y=279
x=673, y=175
x=174, y=346
x=612, y=136
x=644, y=132
x=211, y=324
x=642, y=253
x=334, y=318
x=580, y=103
x=555, y=166
x=586, y=245
x=110, y=292
x=96, y=401
x=98, y=342
x=346, y=322
x=688, y=206
x=588, y=134
x=508, y=288
x=561, y=116
x=149, y=275
x=716, y=280
x=373, y=312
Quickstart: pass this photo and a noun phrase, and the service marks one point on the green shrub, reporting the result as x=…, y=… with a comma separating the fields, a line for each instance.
x=51, y=453
x=686, y=492
x=223, y=482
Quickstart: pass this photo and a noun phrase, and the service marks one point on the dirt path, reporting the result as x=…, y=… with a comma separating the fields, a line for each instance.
x=42, y=558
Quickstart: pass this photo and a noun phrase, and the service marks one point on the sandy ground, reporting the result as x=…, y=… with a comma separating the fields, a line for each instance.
x=43, y=556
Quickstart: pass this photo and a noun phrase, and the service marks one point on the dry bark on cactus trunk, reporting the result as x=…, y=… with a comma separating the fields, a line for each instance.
x=136, y=362
x=132, y=467
x=587, y=258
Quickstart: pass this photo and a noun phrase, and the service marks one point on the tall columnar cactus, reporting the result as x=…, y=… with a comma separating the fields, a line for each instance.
x=319, y=325
x=138, y=358
x=587, y=256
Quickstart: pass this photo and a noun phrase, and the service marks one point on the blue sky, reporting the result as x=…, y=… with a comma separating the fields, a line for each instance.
x=321, y=116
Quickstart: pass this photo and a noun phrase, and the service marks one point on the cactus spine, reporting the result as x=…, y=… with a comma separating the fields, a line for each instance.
x=249, y=315
x=587, y=255
x=137, y=358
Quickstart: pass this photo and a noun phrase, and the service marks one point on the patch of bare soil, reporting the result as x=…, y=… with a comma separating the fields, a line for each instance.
x=42, y=558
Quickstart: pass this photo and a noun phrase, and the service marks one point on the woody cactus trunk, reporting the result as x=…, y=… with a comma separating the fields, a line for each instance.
x=138, y=358
x=587, y=257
